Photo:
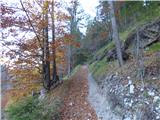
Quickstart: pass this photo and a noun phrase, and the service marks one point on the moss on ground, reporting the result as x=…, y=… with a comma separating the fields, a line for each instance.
x=154, y=48
x=105, y=48
x=99, y=68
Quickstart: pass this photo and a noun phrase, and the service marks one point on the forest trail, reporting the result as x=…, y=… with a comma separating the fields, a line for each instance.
x=84, y=101
x=76, y=105
x=99, y=102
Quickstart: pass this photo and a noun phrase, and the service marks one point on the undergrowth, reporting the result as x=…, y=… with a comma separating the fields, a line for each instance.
x=31, y=108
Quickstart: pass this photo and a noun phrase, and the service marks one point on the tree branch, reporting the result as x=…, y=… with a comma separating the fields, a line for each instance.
x=31, y=23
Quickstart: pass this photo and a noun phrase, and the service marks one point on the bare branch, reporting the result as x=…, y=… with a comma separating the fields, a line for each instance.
x=31, y=23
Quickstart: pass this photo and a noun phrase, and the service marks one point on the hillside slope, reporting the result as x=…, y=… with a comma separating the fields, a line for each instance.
x=134, y=89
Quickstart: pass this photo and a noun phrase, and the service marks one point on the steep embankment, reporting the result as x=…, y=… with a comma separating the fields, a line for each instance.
x=133, y=91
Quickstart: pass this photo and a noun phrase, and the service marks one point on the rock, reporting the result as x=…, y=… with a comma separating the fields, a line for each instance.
x=131, y=89
x=154, y=78
x=142, y=89
x=128, y=77
x=127, y=118
x=151, y=93
x=112, y=55
x=157, y=108
x=131, y=103
x=147, y=102
x=42, y=94
x=156, y=98
x=138, y=115
x=157, y=117
x=89, y=114
x=129, y=82
x=70, y=104
x=116, y=74
x=128, y=102
x=85, y=103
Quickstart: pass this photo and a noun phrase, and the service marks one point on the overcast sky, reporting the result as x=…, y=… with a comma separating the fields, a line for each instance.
x=88, y=5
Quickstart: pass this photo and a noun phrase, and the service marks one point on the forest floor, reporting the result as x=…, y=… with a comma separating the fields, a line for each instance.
x=76, y=104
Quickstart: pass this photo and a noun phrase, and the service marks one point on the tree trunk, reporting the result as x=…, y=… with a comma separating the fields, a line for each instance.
x=139, y=59
x=69, y=54
x=115, y=34
x=46, y=51
x=69, y=60
x=44, y=47
x=54, y=74
x=73, y=28
x=43, y=58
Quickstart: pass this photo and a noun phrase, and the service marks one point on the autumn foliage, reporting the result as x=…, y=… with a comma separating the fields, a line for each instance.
x=24, y=45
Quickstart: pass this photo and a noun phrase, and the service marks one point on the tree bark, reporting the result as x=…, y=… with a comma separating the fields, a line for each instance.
x=69, y=60
x=54, y=74
x=139, y=59
x=115, y=34
x=46, y=51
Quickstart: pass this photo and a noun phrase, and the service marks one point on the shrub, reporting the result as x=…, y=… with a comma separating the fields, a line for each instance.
x=31, y=108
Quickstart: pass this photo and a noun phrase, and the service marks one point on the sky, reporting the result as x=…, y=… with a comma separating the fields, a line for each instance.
x=89, y=6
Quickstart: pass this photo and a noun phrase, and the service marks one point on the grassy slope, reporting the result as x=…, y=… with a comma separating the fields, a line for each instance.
x=154, y=47
x=99, y=68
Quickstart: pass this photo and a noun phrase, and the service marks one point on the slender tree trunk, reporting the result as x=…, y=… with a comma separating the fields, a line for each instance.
x=69, y=60
x=43, y=58
x=73, y=28
x=46, y=51
x=69, y=54
x=54, y=74
x=115, y=34
x=139, y=59
x=125, y=17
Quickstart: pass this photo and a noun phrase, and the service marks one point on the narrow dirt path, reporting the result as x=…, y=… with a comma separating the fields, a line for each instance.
x=76, y=105
x=99, y=102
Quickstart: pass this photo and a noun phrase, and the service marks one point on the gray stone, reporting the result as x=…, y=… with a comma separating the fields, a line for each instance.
x=131, y=89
